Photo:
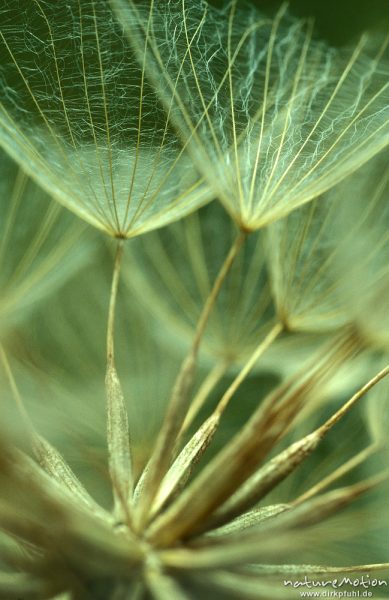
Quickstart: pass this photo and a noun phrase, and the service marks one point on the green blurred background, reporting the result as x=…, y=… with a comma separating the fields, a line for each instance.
x=338, y=21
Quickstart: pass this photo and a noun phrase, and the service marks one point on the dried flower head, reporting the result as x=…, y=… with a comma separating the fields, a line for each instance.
x=133, y=130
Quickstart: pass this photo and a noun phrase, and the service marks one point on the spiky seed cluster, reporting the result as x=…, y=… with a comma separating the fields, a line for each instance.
x=133, y=121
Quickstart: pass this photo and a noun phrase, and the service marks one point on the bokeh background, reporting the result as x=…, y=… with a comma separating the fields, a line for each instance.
x=338, y=21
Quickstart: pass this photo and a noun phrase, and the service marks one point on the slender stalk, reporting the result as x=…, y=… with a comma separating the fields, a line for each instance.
x=119, y=456
x=181, y=468
x=112, y=302
x=163, y=452
x=237, y=461
x=260, y=349
x=335, y=475
x=361, y=392
x=208, y=385
x=14, y=389
x=210, y=302
x=355, y=460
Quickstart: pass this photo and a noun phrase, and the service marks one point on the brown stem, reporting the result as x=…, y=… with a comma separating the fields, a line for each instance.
x=210, y=302
x=208, y=385
x=163, y=452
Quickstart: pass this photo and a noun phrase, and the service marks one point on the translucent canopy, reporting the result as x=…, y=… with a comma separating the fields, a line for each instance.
x=329, y=260
x=78, y=114
x=271, y=117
